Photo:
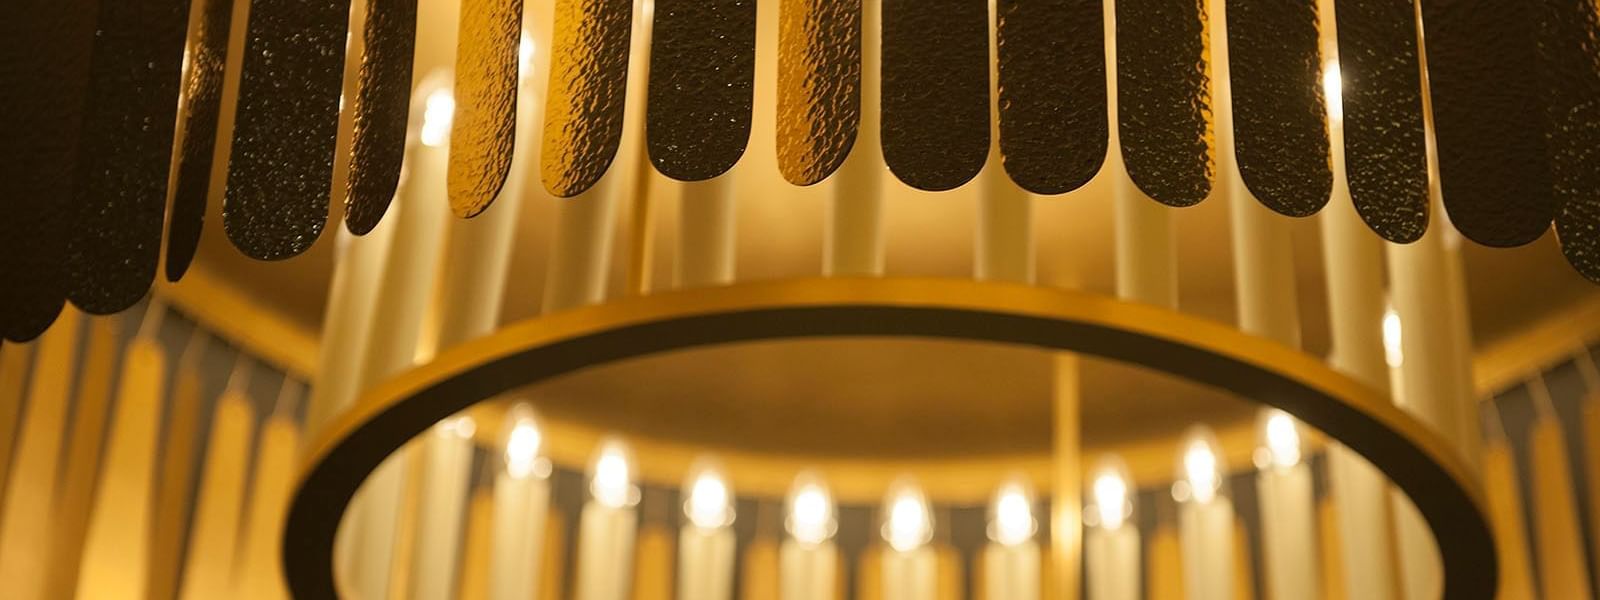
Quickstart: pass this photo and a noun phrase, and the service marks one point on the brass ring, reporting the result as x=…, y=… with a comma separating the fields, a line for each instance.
x=1420, y=462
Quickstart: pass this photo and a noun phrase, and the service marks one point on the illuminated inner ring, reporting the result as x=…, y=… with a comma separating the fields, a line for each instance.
x=1419, y=461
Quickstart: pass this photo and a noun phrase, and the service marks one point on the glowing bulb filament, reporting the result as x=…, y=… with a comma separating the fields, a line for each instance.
x=708, y=506
x=1013, y=516
x=1282, y=439
x=522, y=449
x=810, y=514
x=909, y=525
x=1110, y=500
x=1392, y=350
x=437, y=113
x=1200, y=467
x=612, y=484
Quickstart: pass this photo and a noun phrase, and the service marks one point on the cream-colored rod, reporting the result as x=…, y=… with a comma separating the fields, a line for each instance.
x=409, y=275
x=1353, y=261
x=31, y=491
x=70, y=517
x=348, y=322
x=116, y=555
x=179, y=452
x=209, y=565
x=447, y=470
x=1005, y=226
x=521, y=504
x=1288, y=516
x=257, y=575
x=706, y=232
x=1562, y=569
x=477, y=546
x=14, y=362
x=1146, y=251
x=854, y=235
x=1504, y=494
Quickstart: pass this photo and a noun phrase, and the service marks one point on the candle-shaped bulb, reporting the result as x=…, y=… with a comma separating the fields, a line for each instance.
x=1333, y=89
x=1392, y=351
x=810, y=519
x=1012, y=521
x=461, y=427
x=437, y=112
x=611, y=478
x=1112, y=502
x=909, y=522
x=710, y=502
x=1280, y=440
x=523, y=443
x=525, y=49
x=1201, y=468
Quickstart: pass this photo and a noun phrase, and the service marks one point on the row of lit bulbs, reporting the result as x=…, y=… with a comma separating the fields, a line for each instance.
x=908, y=519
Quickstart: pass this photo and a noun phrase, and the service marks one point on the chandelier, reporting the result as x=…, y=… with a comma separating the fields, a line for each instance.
x=126, y=123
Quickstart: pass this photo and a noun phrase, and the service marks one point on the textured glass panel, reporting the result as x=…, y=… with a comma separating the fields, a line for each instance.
x=1164, y=99
x=1280, y=119
x=1052, y=63
x=1570, y=40
x=383, y=103
x=484, y=128
x=702, y=70
x=935, y=91
x=588, y=89
x=819, y=86
x=126, y=153
x=1494, y=161
x=281, y=168
x=1385, y=148
x=47, y=44
x=202, y=93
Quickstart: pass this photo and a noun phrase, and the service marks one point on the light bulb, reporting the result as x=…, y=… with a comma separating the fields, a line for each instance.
x=1013, y=521
x=1333, y=89
x=1281, y=438
x=1392, y=350
x=909, y=524
x=525, y=50
x=523, y=444
x=709, y=504
x=1201, y=469
x=1110, y=490
x=810, y=518
x=437, y=113
x=611, y=478
x=462, y=427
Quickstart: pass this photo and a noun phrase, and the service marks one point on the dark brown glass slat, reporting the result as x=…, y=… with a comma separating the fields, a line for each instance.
x=44, y=74
x=1164, y=99
x=281, y=169
x=483, y=133
x=702, y=72
x=202, y=93
x=1494, y=161
x=383, y=101
x=1570, y=44
x=126, y=153
x=819, y=86
x=1385, y=144
x=588, y=90
x=935, y=102
x=1052, y=70
x=1280, y=119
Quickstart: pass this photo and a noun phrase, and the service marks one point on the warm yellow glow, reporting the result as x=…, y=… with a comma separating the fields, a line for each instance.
x=525, y=52
x=710, y=502
x=1111, y=498
x=810, y=518
x=1392, y=351
x=1333, y=89
x=437, y=113
x=1012, y=522
x=611, y=479
x=523, y=445
x=1280, y=437
x=1202, y=471
x=461, y=427
x=909, y=524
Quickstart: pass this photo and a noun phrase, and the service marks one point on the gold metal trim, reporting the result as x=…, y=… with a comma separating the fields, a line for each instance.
x=1419, y=461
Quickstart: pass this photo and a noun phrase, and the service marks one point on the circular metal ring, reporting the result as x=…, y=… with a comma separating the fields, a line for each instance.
x=1419, y=461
